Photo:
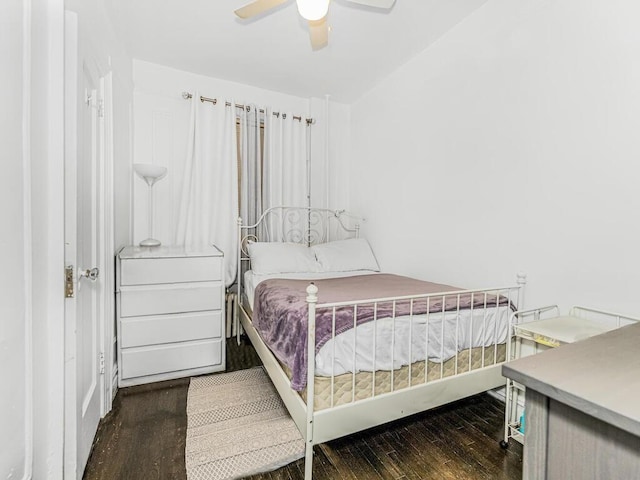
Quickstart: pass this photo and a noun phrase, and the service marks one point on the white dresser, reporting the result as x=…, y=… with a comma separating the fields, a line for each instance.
x=169, y=313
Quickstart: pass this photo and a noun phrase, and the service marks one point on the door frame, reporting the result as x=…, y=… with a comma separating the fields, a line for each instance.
x=106, y=308
x=107, y=254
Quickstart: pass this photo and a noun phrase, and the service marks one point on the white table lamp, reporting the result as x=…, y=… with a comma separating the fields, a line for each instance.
x=150, y=174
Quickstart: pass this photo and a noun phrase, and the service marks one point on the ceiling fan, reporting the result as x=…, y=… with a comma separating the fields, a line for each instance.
x=314, y=11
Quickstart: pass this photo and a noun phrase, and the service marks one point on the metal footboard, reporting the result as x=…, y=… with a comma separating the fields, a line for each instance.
x=332, y=421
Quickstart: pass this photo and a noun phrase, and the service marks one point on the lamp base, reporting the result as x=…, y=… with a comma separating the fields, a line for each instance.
x=150, y=242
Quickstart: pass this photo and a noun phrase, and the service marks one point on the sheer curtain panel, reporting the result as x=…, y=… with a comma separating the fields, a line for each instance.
x=285, y=164
x=209, y=199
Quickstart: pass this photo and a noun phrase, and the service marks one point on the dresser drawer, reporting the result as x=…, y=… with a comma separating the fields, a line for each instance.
x=176, y=298
x=149, y=271
x=156, y=329
x=138, y=362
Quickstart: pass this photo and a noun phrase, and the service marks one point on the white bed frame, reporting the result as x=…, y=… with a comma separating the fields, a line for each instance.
x=311, y=226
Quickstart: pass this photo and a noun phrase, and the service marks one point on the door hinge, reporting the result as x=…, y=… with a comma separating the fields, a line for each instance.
x=101, y=107
x=98, y=105
x=69, y=291
x=101, y=360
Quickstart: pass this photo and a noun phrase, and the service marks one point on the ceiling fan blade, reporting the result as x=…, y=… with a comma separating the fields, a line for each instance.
x=319, y=33
x=375, y=3
x=256, y=8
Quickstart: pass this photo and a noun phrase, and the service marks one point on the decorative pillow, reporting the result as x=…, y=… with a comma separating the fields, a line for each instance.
x=346, y=255
x=279, y=257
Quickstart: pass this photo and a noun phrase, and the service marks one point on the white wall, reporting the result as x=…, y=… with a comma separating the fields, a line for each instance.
x=511, y=144
x=13, y=307
x=161, y=123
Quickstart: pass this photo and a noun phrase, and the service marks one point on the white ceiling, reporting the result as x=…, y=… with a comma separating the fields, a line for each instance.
x=273, y=51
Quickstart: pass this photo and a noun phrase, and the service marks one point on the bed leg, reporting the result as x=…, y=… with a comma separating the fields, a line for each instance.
x=308, y=461
x=312, y=299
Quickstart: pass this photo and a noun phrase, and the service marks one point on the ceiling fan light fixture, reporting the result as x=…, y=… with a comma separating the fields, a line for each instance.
x=313, y=10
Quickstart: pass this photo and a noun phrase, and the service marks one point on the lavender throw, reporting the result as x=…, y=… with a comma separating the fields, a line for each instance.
x=280, y=310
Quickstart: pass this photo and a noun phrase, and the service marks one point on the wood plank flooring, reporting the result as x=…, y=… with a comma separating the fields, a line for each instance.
x=143, y=437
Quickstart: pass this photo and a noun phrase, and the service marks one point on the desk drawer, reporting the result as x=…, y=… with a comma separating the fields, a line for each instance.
x=152, y=271
x=156, y=329
x=138, y=362
x=180, y=298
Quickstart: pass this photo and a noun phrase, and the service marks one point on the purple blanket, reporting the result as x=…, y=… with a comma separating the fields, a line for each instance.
x=280, y=310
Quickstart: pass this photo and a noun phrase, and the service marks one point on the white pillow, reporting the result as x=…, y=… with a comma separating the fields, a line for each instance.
x=346, y=255
x=278, y=257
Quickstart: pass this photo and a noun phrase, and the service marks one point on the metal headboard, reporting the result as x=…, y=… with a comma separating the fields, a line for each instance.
x=304, y=225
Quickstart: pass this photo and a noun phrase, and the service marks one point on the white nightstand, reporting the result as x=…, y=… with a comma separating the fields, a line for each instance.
x=549, y=329
x=170, y=318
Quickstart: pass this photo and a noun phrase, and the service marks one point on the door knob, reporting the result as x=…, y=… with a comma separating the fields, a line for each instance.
x=91, y=274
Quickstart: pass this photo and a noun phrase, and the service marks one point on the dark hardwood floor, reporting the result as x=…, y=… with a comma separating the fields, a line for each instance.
x=143, y=437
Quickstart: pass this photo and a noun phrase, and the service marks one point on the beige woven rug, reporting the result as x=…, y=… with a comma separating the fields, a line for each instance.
x=237, y=425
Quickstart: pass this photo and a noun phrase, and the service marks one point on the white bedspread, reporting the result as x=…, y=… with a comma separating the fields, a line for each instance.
x=480, y=327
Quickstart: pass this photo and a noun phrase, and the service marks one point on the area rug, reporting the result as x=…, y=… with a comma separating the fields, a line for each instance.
x=237, y=425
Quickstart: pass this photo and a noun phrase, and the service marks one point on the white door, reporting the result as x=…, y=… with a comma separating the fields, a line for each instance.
x=83, y=338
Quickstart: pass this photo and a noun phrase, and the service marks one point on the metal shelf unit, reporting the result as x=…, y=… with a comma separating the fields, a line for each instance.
x=543, y=328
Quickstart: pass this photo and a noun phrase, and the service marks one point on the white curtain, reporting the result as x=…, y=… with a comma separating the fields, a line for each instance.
x=251, y=165
x=209, y=200
x=285, y=164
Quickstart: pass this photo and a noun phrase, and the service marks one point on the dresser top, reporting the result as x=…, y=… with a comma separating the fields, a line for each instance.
x=166, y=251
x=598, y=376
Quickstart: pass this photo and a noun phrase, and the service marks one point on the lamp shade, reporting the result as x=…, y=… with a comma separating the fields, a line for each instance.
x=149, y=173
x=313, y=9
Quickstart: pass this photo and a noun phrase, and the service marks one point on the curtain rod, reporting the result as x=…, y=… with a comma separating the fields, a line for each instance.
x=187, y=96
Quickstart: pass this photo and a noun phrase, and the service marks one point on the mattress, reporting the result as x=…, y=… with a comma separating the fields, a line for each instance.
x=343, y=391
x=448, y=333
